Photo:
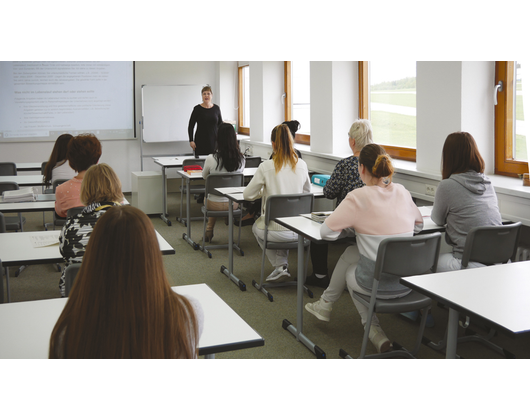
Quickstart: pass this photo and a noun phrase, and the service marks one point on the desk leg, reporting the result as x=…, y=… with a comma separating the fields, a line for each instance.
x=187, y=236
x=297, y=332
x=229, y=273
x=163, y=216
x=452, y=334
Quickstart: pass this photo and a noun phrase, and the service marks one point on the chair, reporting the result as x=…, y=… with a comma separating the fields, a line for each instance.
x=487, y=245
x=400, y=256
x=12, y=222
x=214, y=181
x=8, y=168
x=194, y=188
x=252, y=161
x=69, y=276
x=284, y=205
x=57, y=220
x=3, y=230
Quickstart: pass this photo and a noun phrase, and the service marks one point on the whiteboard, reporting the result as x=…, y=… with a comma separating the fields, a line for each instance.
x=166, y=111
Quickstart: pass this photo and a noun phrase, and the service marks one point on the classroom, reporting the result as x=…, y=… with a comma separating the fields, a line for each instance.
x=464, y=95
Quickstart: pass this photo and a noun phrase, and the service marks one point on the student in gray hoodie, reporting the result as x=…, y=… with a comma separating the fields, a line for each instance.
x=465, y=197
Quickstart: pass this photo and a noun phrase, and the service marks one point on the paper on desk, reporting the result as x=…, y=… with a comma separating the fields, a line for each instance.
x=425, y=211
x=233, y=190
x=40, y=241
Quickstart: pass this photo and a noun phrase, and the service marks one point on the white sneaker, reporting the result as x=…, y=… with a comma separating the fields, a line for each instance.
x=280, y=271
x=321, y=309
x=379, y=339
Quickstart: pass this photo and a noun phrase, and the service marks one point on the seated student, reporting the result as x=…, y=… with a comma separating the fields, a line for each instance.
x=285, y=173
x=121, y=304
x=100, y=190
x=345, y=178
x=379, y=210
x=57, y=166
x=227, y=158
x=83, y=152
x=464, y=199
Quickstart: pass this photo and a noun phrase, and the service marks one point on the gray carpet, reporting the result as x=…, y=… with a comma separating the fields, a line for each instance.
x=190, y=267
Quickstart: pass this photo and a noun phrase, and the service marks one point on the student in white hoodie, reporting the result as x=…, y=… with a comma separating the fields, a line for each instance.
x=285, y=173
x=464, y=199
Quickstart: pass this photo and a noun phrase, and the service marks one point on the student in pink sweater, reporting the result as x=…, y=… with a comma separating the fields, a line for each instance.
x=379, y=210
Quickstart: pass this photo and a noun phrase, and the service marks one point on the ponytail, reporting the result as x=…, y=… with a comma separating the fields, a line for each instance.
x=376, y=160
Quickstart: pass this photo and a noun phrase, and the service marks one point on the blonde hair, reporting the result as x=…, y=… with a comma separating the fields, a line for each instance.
x=284, y=152
x=361, y=131
x=100, y=184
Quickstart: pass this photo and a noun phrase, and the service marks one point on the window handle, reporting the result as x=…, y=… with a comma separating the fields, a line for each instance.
x=283, y=98
x=498, y=88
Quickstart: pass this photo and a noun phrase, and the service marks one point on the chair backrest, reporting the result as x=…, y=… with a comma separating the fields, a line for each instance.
x=8, y=168
x=2, y=224
x=252, y=161
x=286, y=205
x=58, y=182
x=491, y=244
x=42, y=167
x=74, y=211
x=408, y=256
x=228, y=179
x=193, y=161
x=69, y=276
x=8, y=186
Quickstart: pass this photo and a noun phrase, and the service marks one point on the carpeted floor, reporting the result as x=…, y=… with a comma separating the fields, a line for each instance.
x=190, y=267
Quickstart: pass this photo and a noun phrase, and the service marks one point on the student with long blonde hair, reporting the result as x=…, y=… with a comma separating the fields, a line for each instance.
x=121, y=304
x=285, y=173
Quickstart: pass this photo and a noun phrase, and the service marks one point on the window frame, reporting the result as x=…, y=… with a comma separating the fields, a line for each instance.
x=299, y=138
x=240, y=106
x=396, y=152
x=505, y=164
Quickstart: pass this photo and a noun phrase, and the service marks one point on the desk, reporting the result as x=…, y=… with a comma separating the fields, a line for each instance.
x=26, y=327
x=24, y=180
x=498, y=295
x=44, y=202
x=170, y=162
x=31, y=166
x=16, y=249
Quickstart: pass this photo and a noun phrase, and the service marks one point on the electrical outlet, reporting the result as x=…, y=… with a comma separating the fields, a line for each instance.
x=430, y=190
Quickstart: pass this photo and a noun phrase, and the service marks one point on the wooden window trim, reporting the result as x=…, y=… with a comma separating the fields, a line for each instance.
x=403, y=153
x=240, y=128
x=299, y=138
x=505, y=164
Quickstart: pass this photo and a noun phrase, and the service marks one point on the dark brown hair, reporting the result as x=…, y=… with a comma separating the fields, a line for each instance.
x=376, y=161
x=121, y=304
x=460, y=154
x=59, y=151
x=206, y=88
x=83, y=152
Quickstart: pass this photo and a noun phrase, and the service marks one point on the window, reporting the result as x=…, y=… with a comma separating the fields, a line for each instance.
x=511, y=144
x=387, y=96
x=243, y=112
x=297, y=97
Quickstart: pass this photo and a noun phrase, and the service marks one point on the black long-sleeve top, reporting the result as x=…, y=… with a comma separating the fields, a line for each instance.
x=208, y=121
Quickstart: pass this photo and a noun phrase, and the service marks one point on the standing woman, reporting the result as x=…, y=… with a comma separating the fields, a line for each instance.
x=207, y=117
x=285, y=173
x=57, y=166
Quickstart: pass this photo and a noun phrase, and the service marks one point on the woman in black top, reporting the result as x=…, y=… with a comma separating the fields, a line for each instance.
x=208, y=118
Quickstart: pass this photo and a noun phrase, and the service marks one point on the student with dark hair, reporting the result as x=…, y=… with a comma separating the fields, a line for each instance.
x=464, y=199
x=57, y=166
x=285, y=173
x=379, y=210
x=121, y=305
x=83, y=152
x=227, y=158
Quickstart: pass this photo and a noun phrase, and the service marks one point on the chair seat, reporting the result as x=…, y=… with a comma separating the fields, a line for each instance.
x=412, y=302
x=282, y=245
x=13, y=222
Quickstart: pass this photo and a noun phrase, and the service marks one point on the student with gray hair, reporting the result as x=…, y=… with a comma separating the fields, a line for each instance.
x=345, y=178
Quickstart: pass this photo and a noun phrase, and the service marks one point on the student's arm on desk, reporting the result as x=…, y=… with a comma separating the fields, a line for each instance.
x=254, y=189
x=440, y=207
x=330, y=235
